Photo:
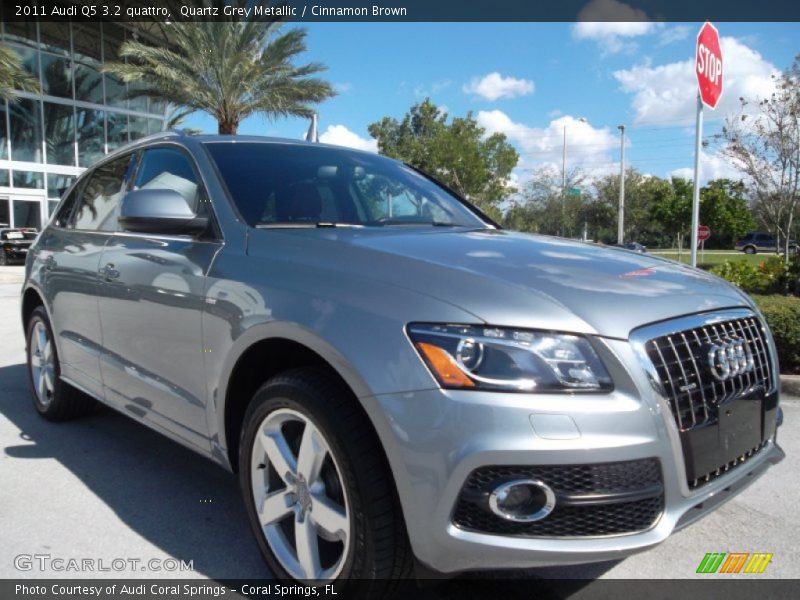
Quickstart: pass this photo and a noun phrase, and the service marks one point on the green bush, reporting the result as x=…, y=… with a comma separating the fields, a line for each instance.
x=770, y=276
x=783, y=316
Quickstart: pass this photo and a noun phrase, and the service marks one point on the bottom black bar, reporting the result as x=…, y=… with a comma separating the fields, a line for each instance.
x=503, y=585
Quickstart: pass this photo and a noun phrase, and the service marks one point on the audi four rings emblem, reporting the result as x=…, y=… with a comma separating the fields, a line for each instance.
x=729, y=357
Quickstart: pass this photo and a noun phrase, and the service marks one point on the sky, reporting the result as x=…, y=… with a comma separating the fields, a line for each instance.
x=533, y=80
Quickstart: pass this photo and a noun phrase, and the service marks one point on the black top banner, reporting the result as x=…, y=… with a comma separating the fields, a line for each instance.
x=402, y=10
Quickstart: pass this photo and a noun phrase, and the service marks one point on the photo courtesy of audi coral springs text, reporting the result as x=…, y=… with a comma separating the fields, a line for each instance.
x=396, y=380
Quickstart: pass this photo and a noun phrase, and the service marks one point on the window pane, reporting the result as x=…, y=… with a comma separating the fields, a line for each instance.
x=27, y=214
x=139, y=103
x=59, y=134
x=88, y=83
x=29, y=179
x=56, y=75
x=117, y=130
x=86, y=40
x=58, y=184
x=30, y=58
x=156, y=107
x=54, y=36
x=168, y=169
x=26, y=130
x=90, y=136
x=5, y=213
x=115, y=92
x=154, y=125
x=4, y=179
x=3, y=131
x=137, y=127
x=23, y=32
x=99, y=201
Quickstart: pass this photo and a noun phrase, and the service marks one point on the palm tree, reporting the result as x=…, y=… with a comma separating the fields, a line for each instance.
x=13, y=75
x=228, y=69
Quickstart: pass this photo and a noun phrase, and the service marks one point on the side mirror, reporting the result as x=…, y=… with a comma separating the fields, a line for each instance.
x=159, y=211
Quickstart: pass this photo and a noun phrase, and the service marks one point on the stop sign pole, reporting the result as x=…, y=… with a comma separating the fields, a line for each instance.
x=708, y=69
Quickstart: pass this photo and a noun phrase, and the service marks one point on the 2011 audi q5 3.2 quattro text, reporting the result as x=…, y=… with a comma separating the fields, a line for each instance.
x=396, y=380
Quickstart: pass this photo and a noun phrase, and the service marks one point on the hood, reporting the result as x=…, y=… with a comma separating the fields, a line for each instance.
x=514, y=279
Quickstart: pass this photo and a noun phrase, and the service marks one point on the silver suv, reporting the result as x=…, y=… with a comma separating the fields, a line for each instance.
x=397, y=381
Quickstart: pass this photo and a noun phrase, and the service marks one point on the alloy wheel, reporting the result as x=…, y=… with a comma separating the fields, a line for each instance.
x=299, y=496
x=42, y=364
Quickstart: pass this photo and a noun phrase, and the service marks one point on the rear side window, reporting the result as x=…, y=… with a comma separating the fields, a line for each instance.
x=98, y=207
x=169, y=169
x=62, y=216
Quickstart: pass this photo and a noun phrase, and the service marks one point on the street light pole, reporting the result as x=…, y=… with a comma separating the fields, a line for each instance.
x=563, y=180
x=621, y=217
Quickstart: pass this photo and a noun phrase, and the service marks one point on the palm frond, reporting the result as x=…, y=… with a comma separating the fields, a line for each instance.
x=229, y=70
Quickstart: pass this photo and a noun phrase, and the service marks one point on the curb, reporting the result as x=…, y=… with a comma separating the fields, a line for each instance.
x=790, y=385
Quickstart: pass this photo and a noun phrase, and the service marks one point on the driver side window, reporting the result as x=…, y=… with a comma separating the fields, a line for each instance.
x=170, y=169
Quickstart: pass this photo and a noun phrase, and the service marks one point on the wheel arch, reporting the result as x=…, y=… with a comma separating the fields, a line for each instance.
x=262, y=353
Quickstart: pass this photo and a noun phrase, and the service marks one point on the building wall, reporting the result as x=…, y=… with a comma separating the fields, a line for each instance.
x=48, y=138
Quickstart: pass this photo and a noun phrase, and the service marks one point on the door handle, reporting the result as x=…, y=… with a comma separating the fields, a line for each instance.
x=109, y=273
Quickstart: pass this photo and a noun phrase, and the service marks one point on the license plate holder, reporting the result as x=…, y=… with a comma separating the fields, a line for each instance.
x=738, y=429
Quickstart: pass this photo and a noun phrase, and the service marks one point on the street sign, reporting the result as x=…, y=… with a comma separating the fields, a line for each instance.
x=703, y=233
x=708, y=70
x=574, y=191
x=708, y=65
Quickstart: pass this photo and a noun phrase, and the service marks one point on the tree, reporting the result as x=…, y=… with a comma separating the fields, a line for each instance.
x=723, y=207
x=672, y=209
x=641, y=193
x=13, y=76
x=458, y=153
x=229, y=69
x=765, y=147
x=541, y=206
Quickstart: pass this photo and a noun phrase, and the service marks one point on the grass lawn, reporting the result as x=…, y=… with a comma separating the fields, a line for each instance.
x=714, y=257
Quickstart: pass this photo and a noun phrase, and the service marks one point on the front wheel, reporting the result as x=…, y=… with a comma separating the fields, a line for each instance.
x=749, y=250
x=318, y=492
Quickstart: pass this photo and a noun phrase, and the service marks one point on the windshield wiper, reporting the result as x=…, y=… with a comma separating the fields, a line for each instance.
x=421, y=223
x=305, y=225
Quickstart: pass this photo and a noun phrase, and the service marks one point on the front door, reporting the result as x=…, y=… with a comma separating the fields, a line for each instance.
x=151, y=309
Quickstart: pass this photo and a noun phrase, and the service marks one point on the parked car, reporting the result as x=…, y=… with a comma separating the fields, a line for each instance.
x=756, y=241
x=16, y=243
x=632, y=246
x=397, y=381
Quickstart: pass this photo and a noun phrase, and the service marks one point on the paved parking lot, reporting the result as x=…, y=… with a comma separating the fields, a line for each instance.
x=105, y=487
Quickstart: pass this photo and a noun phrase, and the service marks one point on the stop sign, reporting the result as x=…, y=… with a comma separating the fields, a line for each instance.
x=703, y=233
x=708, y=65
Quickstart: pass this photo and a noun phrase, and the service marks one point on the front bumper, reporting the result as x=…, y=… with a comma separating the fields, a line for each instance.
x=434, y=439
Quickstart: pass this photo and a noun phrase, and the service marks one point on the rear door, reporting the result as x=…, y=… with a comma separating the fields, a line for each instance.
x=72, y=248
x=151, y=309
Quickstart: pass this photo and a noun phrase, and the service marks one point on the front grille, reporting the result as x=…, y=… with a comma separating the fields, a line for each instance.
x=680, y=359
x=639, y=479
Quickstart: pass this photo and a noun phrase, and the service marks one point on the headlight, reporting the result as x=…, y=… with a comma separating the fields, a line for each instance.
x=492, y=358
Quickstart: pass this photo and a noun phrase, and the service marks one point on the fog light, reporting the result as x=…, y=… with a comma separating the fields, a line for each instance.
x=522, y=500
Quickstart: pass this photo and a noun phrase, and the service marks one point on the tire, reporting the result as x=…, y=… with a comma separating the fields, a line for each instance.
x=364, y=549
x=53, y=399
x=749, y=250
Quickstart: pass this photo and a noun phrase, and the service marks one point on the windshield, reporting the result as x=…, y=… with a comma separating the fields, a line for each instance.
x=275, y=185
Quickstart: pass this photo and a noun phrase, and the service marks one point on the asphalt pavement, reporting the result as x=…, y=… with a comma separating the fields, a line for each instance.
x=107, y=488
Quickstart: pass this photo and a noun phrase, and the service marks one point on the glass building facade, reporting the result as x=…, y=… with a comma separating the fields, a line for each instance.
x=47, y=139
